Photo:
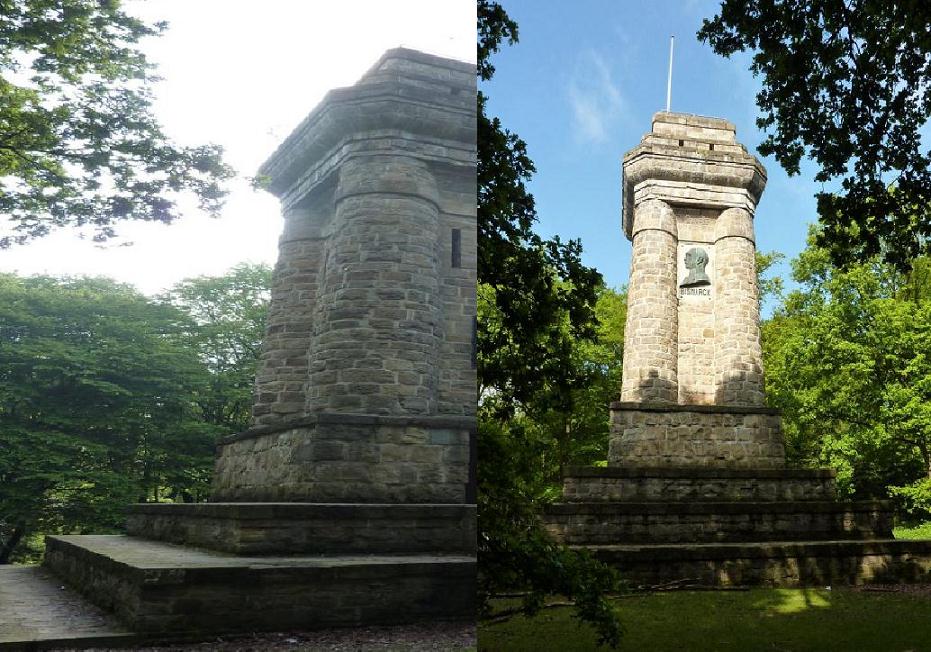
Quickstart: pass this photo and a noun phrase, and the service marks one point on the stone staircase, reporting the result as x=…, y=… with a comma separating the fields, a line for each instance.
x=275, y=566
x=727, y=526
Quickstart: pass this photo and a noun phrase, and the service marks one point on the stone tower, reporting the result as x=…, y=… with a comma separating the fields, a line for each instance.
x=365, y=390
x=692, y=336
x=696, y=485
x=349, y=500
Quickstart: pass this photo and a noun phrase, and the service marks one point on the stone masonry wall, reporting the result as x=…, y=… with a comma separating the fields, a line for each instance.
x=456, y=393
x=775, y=564
x=696, y=358
x=348, y=458
x=692, y=335
x=378, y=322
x=690, y=436
x=738, y=355
x=650, y=336
x=637, y=484
x=656, y=523
x=373, y=297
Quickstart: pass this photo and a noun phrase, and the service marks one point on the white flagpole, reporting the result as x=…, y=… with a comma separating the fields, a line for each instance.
x=672, y=40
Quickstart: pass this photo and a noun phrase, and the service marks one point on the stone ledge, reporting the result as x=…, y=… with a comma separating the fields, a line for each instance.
x=773, y=563
x=710, y=409
x=680, y=523
x=305, y=528
x=157, y=587
x=346, y=418
x=402, y=88
x=660, y=552
x=734, y=507
x=697, y=472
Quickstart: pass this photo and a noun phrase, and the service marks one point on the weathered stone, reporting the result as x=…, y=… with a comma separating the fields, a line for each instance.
x=158, y=588
x=364, y=407
x=684, y=435
x=696, y=485
x=689, y=187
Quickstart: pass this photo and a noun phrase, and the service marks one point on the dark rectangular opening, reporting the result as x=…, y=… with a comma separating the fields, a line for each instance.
x=457, y=248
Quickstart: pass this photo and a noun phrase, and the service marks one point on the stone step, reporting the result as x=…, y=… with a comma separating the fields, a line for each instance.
x=773, y=563
x=157, y=587
x=603, y=523
x=716, y=484
x=37, y=612
x=309, y=528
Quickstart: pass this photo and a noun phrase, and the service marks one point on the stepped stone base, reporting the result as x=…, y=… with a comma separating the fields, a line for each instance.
x=638, y=483
x=784, y=564
x=700, y=522
x=663, y=435
x=308, y=528
x=156, y=587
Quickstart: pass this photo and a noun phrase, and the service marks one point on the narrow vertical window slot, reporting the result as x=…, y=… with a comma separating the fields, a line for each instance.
x=457, y=248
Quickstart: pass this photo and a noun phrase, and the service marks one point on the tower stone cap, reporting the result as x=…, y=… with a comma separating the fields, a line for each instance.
x=700, y=158
x=404, y=91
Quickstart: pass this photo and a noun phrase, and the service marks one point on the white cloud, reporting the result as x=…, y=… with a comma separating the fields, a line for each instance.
x=594, y=97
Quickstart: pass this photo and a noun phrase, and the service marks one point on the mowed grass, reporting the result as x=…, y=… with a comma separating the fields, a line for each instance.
x=746, y=621
x=922, y=531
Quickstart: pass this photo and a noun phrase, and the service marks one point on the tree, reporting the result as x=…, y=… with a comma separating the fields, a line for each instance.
x=846, y=360
x=537, y=302
x=228, y=325
x=78, y=143
x=97, y=407
x=847, y=83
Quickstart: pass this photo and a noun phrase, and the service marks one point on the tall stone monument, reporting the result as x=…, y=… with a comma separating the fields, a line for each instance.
x=350, y=500
x=692, y=337
x=696, y=485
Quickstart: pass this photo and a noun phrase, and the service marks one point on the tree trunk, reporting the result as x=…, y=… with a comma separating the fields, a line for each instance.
x=7, y=550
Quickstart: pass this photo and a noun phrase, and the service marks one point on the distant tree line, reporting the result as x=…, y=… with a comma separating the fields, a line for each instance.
x=109, y=397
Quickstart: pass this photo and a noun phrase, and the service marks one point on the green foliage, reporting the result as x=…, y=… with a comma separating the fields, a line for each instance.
x=914, y=499
x=109, y=398
x=78, y=143
x=536, y=308
x=768, y=286
x=95, y=406
x=845, y=82
x=229, y=324
x=846, y=358
x=514, y=550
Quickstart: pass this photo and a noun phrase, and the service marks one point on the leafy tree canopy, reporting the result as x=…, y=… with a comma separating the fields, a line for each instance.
x=537, y=303
x=229, y=314
x=847, y=83
x=97, y=406
x=78, y=143
x=846, y=359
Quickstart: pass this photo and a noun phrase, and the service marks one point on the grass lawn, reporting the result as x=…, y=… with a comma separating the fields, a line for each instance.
x=922, y=531
x=760, y=619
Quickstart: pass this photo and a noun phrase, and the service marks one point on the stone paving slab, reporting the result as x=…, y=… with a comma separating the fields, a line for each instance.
x=153, y=555
x=37, y=612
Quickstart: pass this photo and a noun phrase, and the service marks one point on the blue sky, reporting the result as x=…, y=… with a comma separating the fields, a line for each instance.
x=581, y=87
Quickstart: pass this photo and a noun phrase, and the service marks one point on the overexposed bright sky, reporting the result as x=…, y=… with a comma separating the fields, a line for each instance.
x=243, y=75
